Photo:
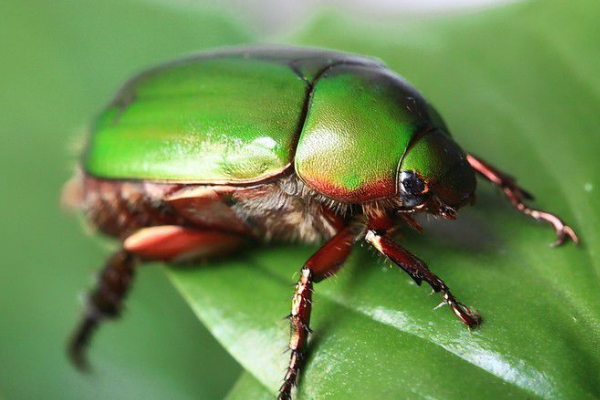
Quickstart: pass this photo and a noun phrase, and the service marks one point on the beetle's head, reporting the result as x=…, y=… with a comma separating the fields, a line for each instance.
x=435, y=175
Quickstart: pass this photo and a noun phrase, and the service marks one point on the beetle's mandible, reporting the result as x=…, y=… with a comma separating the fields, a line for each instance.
x=205, y=155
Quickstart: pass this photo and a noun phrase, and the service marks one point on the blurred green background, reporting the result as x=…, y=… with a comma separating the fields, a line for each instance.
x=519, y=86
x=60, y=62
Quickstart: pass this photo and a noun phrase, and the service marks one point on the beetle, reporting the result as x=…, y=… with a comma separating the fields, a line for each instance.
x=205, y=155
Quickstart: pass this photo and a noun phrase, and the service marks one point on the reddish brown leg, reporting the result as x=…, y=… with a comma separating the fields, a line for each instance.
x=517, y=196
x=105, y=302
x=328, y=259
x=419, y=272
x=164, y=243
x=175, y=243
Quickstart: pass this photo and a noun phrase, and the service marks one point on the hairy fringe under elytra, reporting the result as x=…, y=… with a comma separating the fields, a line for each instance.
x=293, y=186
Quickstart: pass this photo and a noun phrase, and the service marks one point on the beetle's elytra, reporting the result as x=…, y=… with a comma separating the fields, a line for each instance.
x=205, y=155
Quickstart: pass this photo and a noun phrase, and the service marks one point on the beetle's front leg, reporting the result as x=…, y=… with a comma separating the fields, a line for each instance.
x=324, y=263
x=419, y=272
x=517, y=196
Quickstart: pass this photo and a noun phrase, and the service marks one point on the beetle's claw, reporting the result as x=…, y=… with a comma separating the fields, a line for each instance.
x=467, y=315
x=77, y=349
x=78, y=358
x=563, y=233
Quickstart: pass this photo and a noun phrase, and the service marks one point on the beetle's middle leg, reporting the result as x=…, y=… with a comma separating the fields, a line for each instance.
x=324, y=263
x=159, y=243
x=517, y=197
x=418, y=270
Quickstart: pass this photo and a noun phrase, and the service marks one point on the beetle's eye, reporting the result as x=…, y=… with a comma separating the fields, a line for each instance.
x=411, y=184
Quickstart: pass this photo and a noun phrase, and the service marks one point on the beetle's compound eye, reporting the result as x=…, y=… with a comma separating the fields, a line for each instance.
x=411, y=184
x=412, y=189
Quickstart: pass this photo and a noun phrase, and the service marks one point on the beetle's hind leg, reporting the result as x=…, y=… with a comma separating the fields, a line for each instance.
x=104, y=302
x=418, y=270
x=517, y=197
x=324, y=263
x=171, y=243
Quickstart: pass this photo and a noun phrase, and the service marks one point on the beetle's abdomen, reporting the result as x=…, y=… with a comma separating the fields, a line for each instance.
x=269, y=212
x=118, y=208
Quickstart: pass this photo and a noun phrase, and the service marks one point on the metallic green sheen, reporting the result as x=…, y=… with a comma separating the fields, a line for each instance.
x=360, y=122
x=210, y=120
x=443, y=165
x=230, y=116
x=346, y=123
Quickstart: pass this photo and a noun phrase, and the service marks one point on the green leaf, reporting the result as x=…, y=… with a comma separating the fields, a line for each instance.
x=519, y=86
x=248, y=388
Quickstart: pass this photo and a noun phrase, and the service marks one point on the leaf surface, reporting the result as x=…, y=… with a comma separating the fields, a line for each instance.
x=519, y=87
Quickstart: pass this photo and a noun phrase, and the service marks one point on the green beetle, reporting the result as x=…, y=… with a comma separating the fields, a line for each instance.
x=208, y=154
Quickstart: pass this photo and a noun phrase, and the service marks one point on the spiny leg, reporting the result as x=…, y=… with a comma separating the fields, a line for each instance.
x=325, y=262
x=105, y=302
x=160, y=243
x=300, y=321
x=517, y=196
x=419, y=271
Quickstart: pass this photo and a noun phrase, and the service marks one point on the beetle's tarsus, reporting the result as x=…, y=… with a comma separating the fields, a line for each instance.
x=517, y=197
x=563, y=234
x=562, y=230
x=466, y=314
x=291, y=375
x=78, y=344
x=106, y=301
